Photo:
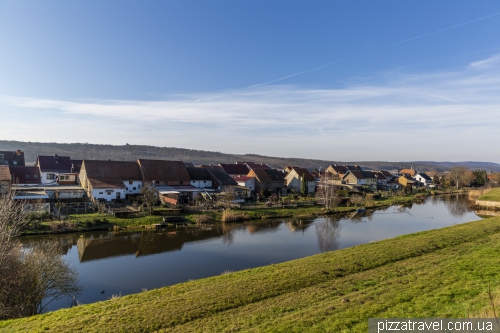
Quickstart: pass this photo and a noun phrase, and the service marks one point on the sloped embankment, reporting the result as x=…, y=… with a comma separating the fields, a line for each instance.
x=436, y=273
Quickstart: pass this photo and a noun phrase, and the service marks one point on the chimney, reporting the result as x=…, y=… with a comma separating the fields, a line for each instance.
x=19, y=152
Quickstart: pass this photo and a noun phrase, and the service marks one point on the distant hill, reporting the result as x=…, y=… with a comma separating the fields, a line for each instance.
x=134, y=152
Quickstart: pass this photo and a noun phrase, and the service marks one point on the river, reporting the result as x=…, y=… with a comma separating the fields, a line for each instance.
x=122, y=263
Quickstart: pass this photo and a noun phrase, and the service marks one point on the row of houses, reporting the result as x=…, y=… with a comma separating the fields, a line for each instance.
x=60, y=177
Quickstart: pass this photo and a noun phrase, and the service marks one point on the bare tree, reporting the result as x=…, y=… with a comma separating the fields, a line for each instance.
x=29, y=276
x=325, y=192
x=460, y=176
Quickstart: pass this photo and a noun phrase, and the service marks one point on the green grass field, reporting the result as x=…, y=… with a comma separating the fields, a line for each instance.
x=493, y=195
x=437, y=273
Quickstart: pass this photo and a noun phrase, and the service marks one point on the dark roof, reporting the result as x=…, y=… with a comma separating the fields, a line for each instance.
x=76, y=165
x=255, y=166
x=54, y=163
x=111, y=182
x=5, y=173
x=112, y=169
x=361, y=174
x=340, y=169
x=353, y=167
x=25, y=175
x=189, y=164
x=160, y=170
x=424, y=176
x=268, y=175
x=304, y=171
x=387, y=174
x=15, y=158
x=243, y=178
x=235, y=169
x=221, y=176
x=198, y=173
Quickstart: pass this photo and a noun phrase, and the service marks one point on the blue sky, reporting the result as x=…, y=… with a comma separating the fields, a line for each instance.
x=338, y=80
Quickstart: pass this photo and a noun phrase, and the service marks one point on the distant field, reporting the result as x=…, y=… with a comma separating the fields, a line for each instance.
x=493, y=195
x=438, y=273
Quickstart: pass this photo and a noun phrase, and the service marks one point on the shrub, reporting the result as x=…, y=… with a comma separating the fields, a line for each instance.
x=200, y=219
x=230, y=216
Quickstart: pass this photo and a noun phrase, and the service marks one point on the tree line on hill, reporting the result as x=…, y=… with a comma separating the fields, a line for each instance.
x=133, y=152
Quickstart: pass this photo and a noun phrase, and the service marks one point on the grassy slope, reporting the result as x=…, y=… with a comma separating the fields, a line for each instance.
x=437, y=273
x=493, y=195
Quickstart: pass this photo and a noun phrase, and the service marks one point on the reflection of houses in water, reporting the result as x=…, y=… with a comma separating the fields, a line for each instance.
x=138, y=243
x=256, y=227
x=298, y=225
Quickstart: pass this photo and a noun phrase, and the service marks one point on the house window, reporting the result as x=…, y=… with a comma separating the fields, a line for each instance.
x=101, y=192
x=130, y=182
x=204, y=182
x=108, y=192
x=35, y=176
x=139, y=186
x=134, y=188
x=27, y=176
x=14, y=162
x=127, y=188
x=51, y=176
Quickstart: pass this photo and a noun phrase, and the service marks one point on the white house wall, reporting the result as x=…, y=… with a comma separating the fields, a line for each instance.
x=134, y=188
x=108, y=194
x=201, y=183
x=43, y=176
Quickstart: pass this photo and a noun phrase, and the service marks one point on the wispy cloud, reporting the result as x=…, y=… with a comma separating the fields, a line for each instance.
x=487, y=63
x=417, y=116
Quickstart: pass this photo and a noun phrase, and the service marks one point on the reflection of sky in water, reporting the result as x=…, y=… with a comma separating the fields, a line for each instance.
x=169, y=259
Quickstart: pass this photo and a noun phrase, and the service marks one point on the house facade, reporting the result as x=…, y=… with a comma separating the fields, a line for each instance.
x=163, y=172
x=110, y=180
x=293, y=180
x=12, y=158
x=200, y=177
x=53, y=166
x=423, y=178
x=246, y=181
x=5, y=179
x=271, y=179
x=364, y=178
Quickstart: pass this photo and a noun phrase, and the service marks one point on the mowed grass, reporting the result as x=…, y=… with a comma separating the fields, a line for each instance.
x=493, y=195
x=437, y=273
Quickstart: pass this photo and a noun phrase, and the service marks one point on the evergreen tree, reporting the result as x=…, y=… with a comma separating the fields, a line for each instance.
x=303, y=186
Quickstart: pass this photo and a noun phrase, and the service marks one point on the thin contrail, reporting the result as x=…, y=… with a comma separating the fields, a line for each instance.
x=360, y=54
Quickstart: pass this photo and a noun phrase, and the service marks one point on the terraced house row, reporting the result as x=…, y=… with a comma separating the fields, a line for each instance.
x=62, y=178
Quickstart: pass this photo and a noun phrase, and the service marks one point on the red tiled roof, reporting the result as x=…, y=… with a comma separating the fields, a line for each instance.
x=160, y=170
x=411, y=172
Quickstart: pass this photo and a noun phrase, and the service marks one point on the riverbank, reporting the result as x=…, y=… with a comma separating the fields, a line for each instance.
x=437, y=273
x=96, y=221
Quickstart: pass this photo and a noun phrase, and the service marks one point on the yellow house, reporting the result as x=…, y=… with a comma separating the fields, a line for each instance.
x=5, y=179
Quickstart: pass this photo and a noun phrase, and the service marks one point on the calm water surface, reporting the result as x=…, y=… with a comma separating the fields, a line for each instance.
x=129, y=262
